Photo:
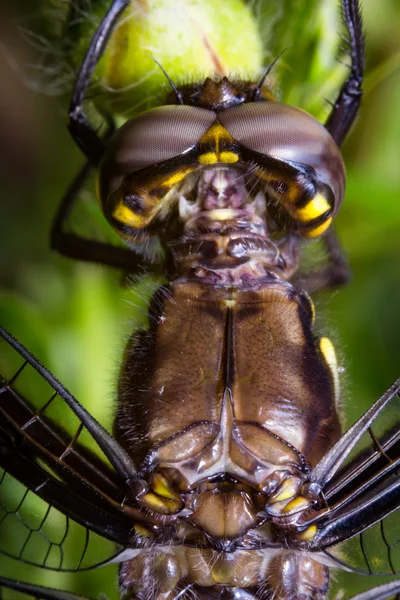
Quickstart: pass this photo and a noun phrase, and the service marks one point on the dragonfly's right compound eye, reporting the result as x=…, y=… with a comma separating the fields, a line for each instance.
x=146, y=160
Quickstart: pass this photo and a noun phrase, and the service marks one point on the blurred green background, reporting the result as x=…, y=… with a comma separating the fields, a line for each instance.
x=75, y=317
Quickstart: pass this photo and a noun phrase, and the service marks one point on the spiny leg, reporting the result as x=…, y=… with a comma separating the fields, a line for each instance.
x=346, y=106
x=80, y=248
x=81, y=130
x=338, y=124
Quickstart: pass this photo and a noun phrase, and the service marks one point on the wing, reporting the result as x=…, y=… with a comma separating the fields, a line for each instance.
x=37, y=592
x=380, y=592
x=359, y=477
x=62, y=487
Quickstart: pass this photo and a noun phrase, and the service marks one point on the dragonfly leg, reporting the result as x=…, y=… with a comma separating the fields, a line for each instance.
x=80, y=248
x=380, y=592
x=336, y=273
x=346, y=106
x=37, y=591
x=81, y=130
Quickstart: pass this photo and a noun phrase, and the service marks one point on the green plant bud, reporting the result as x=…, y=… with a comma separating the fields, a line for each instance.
x=191, y=39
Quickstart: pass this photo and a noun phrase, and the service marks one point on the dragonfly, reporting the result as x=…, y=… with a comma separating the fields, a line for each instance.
x=228, y=475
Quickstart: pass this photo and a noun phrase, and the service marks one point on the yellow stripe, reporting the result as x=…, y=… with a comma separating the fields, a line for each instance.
x=316, y=207
x=215, y=133
x=213, y=136
x=307, y=534
x=177, y=176
x=209, y=158
x=142, y=531
x=312, y=307
x=124, y=215
x=228, y=157
x=318, y=230
x=163, y=487
x=328, y=352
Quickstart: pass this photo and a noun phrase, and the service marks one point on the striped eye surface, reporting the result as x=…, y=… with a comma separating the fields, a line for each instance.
x=290, y=135
x=153, y=137
x=150, y=156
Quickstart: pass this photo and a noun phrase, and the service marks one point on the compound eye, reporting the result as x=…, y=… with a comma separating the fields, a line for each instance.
x=292, y=136
x=141, y=159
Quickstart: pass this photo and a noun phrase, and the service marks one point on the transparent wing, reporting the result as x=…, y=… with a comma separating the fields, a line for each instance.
x=360, y=478
x=65, y=483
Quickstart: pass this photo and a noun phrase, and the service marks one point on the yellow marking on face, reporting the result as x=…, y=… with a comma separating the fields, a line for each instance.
x=316, y=207
x=328, y=352
x=292, y=194
x=318, y=230
x=228, y=157
x=177, y=176
x=124, y=215
x=209, y=158
x=214, y=135
x=307, y=534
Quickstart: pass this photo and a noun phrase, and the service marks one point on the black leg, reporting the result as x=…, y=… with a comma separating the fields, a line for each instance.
x=36, y=591
x=335, y=274
x=81, y=130
x=79, y=248
x=347, y=104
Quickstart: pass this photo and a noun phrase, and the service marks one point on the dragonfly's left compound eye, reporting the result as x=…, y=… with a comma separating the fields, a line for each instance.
x=147, y=157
